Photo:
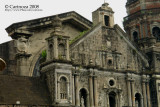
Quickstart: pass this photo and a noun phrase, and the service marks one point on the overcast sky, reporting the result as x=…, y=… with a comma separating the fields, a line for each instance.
x=52, y=7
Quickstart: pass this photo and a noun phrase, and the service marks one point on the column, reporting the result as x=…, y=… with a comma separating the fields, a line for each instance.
x=141, y=101
x=95, y=92
x=73, y=91
x=144, y=94
x=107, y=100
x=91, y=91
x=58, y=90
x=77, y=90
x=129, y=93
x=117, y=100
x=55, y=48
x=67, y=51
x=68, y=93
x=133, y=95
x=148, y=95
x=87, y=99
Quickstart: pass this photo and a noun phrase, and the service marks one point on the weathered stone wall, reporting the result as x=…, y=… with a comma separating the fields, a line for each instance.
x=107, y=50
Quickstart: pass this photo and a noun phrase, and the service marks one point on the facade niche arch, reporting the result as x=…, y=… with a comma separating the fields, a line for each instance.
x=138, y=99
x=83, y=94
x=156, y=32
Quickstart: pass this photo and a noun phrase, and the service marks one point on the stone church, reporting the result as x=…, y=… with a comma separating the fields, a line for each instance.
x=65, y=60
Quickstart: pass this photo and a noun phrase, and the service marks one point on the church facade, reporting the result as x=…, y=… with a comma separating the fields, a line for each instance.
x=65, y=60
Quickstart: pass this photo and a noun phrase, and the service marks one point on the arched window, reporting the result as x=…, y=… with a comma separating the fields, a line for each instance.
x=83, y=97
x=112, y=99
x=61, y=51
x=135, y=36
x=63, y=88
x=156, y=32
x=138, y=100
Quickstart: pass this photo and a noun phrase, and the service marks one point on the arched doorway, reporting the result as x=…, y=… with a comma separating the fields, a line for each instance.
x=156, y=32
x=83, y=97
x=138, y=100
x=112, y=99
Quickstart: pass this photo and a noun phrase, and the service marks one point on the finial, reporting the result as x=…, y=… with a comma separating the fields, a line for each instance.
x=56, y=22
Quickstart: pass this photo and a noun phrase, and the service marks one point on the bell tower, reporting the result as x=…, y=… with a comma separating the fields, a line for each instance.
x=103, y=14
x=143, y=28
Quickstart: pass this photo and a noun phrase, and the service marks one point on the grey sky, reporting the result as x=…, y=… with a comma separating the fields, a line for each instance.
x=52, y=7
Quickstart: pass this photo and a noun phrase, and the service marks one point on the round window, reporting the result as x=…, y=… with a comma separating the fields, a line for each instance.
x=111, y=82
x=109, y=62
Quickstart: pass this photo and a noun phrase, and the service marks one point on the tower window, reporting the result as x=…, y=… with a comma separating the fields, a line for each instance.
x=156, y=32
x=63, y=88
x=135, y=36
x=106, y=20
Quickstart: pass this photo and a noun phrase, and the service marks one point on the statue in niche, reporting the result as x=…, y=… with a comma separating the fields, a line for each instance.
x=82, y=102
x=136, y=103
x=22, y=45
x=108, y=40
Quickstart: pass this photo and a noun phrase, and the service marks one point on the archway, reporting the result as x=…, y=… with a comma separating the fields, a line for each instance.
x=156, y=32
x=138, y=100
x=112, y=99
x=83, y=97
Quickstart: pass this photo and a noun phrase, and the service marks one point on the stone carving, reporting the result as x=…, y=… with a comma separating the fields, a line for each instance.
x=22, y=45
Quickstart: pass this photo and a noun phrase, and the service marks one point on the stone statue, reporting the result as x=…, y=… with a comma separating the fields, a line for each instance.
x=82, y=102
x=136, y=103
